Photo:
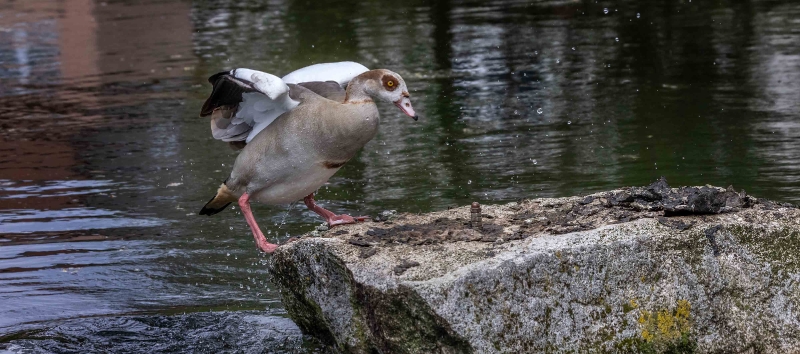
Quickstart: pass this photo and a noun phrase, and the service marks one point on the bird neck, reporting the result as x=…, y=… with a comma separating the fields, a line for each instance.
x=358, y=91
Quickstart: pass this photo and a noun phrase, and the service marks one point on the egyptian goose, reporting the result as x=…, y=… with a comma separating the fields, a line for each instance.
x=295, y=132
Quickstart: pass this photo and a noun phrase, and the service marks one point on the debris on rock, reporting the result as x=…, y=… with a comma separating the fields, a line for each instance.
x=560, y=216
x=367, y=252
x=404, y=265
x=385, y=215
x=675, y=224
x=359, y=242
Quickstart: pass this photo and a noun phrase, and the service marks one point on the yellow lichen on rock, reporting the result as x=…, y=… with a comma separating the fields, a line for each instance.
x=682, y=316
x=647, y=336
x=633, y=303
x=665, y=326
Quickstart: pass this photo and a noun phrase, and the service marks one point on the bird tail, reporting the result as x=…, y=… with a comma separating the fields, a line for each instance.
x=219, y=202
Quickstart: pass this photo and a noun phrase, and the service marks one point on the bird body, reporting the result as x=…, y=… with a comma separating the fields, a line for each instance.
x=301, y=149
x=295, y=136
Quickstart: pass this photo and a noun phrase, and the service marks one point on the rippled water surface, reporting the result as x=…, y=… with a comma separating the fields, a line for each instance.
x=104, y=162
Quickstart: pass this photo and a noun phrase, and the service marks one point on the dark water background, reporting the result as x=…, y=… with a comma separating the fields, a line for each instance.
x=104, y=163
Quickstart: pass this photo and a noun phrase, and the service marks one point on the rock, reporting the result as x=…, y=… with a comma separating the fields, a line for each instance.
x=367, y=252
x=677, y=224
x=404, y=265
x=385, y=215
x=608, y=276
x=359, y=242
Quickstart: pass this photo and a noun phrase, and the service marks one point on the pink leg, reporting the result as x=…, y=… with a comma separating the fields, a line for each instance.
x=261, y=241
x=331, y=218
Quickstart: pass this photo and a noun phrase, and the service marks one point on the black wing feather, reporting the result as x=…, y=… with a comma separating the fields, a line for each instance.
x=227, y=91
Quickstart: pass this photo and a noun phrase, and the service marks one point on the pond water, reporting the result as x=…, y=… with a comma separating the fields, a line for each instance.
x=104, y=163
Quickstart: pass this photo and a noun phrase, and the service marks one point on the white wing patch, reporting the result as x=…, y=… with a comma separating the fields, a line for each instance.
x=259, y=109
x=268, y=84
x=262, y=111
x=341, y=72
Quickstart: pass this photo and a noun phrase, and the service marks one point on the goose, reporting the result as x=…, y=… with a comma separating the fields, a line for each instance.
x=295, y=132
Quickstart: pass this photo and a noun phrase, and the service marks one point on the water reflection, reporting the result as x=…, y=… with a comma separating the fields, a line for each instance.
x=104, y=163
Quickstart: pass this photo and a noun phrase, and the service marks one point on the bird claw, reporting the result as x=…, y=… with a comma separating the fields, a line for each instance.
x=345, y=219
x=267, y=247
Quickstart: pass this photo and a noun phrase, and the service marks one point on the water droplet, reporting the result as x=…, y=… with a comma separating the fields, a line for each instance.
x=534, y=161
x=569, y=122
x=540, y=111
x=469, y=182
x=638, y=15
x=516, y=112
x=558, y=61
x=573, y=48
x=605, y=11
x=227, y=255
x=536, y=52
x=231, y=228
x=616, y=39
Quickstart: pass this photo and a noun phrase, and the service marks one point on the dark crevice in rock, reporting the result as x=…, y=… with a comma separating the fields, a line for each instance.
x=712, y=238
x=306, y=313
x=383, y=321
x=400, y=321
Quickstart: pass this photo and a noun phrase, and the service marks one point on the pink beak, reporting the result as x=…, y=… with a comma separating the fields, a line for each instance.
x=405, y=105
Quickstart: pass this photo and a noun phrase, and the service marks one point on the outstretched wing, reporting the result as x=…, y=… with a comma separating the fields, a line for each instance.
x=243, y=101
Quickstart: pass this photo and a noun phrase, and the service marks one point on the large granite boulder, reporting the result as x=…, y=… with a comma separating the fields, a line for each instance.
x=653, y=269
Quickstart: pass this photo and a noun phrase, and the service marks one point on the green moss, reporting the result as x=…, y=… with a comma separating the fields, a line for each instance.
x=630, y=306
x=683, y=345
x=781, y=247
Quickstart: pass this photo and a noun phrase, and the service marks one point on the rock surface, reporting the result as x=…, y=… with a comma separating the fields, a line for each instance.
x=653, y=269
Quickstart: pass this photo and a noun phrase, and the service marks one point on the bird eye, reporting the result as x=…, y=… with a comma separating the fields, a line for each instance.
x=390, y=83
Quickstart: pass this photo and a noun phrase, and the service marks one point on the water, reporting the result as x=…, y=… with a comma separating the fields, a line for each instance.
x=104, y=162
